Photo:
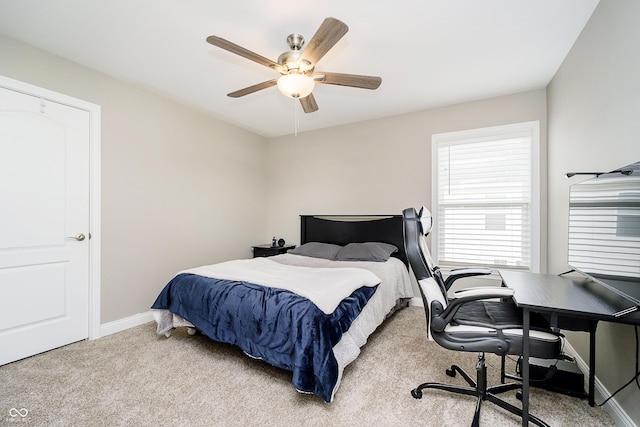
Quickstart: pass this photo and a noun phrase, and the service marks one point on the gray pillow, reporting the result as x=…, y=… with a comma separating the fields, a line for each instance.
x=317, y=250
x=367, y=251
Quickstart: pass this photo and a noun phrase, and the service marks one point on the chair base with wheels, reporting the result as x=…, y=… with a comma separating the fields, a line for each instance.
x=480, y=389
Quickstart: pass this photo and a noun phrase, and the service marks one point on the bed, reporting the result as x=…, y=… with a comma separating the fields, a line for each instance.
x=308, y=311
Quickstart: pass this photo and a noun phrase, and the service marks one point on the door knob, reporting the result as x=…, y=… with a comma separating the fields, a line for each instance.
x=79, y=237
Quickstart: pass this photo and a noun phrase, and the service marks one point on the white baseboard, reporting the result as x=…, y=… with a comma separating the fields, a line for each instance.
x=615, y=411
x=126, y=323
x=416, y=302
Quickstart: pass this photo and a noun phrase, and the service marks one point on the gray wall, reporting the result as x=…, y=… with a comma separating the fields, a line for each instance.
x=593, y=104
x=379, y=166
x=179, y=188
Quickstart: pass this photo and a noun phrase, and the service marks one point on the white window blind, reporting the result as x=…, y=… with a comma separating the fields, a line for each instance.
x=483, y=197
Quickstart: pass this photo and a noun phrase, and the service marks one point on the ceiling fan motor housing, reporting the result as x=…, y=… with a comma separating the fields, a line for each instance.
x=291, y=60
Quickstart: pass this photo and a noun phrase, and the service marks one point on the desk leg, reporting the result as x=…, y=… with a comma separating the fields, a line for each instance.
x=592, y=361
x=525, y=367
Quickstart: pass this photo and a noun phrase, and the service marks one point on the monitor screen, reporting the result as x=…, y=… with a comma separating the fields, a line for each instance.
x=604, y=229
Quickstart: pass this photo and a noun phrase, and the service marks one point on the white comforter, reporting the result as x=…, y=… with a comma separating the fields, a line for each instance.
x=325, y=287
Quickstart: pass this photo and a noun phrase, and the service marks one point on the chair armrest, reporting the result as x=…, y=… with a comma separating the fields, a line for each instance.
x=484, y=292
x=459, y=273
x=471, y=271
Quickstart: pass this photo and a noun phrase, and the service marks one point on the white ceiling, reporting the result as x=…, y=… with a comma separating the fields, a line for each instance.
x=429, y=53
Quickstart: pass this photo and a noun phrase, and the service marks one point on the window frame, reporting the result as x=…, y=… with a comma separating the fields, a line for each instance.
x=530, y=129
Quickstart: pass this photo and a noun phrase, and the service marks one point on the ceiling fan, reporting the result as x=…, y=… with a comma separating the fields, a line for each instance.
x=297, y=66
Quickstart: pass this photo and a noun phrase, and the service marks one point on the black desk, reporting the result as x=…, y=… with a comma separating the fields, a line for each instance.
x=570, y=303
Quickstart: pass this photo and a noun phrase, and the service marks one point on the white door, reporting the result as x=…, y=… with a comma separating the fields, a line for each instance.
x=44, y=225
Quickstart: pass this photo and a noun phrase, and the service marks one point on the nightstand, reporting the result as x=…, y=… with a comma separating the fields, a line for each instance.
x=268, y=250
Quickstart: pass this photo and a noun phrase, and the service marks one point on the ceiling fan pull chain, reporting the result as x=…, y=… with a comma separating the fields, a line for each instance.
x=296, y=117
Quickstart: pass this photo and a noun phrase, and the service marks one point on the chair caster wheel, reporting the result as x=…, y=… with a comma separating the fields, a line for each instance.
x=191, y=331
x=451, y=372
x=417, y=394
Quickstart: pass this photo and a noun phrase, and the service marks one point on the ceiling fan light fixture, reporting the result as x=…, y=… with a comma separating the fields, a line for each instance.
x=296, y=85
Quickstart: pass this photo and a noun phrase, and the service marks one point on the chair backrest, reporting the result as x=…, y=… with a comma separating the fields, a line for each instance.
x=417, y=226
x=412, y=229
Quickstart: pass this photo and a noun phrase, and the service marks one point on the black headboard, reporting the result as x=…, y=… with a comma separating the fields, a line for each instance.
x=343, y=229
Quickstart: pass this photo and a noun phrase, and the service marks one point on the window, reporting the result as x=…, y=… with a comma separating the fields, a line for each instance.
x=486, y=197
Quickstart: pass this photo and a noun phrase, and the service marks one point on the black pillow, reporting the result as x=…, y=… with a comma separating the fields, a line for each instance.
x=367, y=251
x=317, y=250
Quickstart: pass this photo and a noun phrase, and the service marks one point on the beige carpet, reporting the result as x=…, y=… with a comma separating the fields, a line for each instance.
x=136, y=378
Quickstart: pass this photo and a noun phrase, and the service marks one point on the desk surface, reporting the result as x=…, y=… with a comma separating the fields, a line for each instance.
x=576, y=297
x=565, y=297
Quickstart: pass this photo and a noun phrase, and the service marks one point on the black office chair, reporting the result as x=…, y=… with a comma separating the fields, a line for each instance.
x=477, y=320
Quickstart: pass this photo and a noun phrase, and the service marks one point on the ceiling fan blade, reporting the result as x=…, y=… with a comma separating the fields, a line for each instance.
x=254, y=88
x=352, y=80
x=246, y=53
x=331, y=30
x=309, y=104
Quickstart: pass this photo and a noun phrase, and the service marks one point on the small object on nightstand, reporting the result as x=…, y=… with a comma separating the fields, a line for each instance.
x=273, y=242
x=281, y=242
x=268, y=250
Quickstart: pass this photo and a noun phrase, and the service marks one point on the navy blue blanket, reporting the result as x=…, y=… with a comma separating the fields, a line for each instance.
x=284, y=329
